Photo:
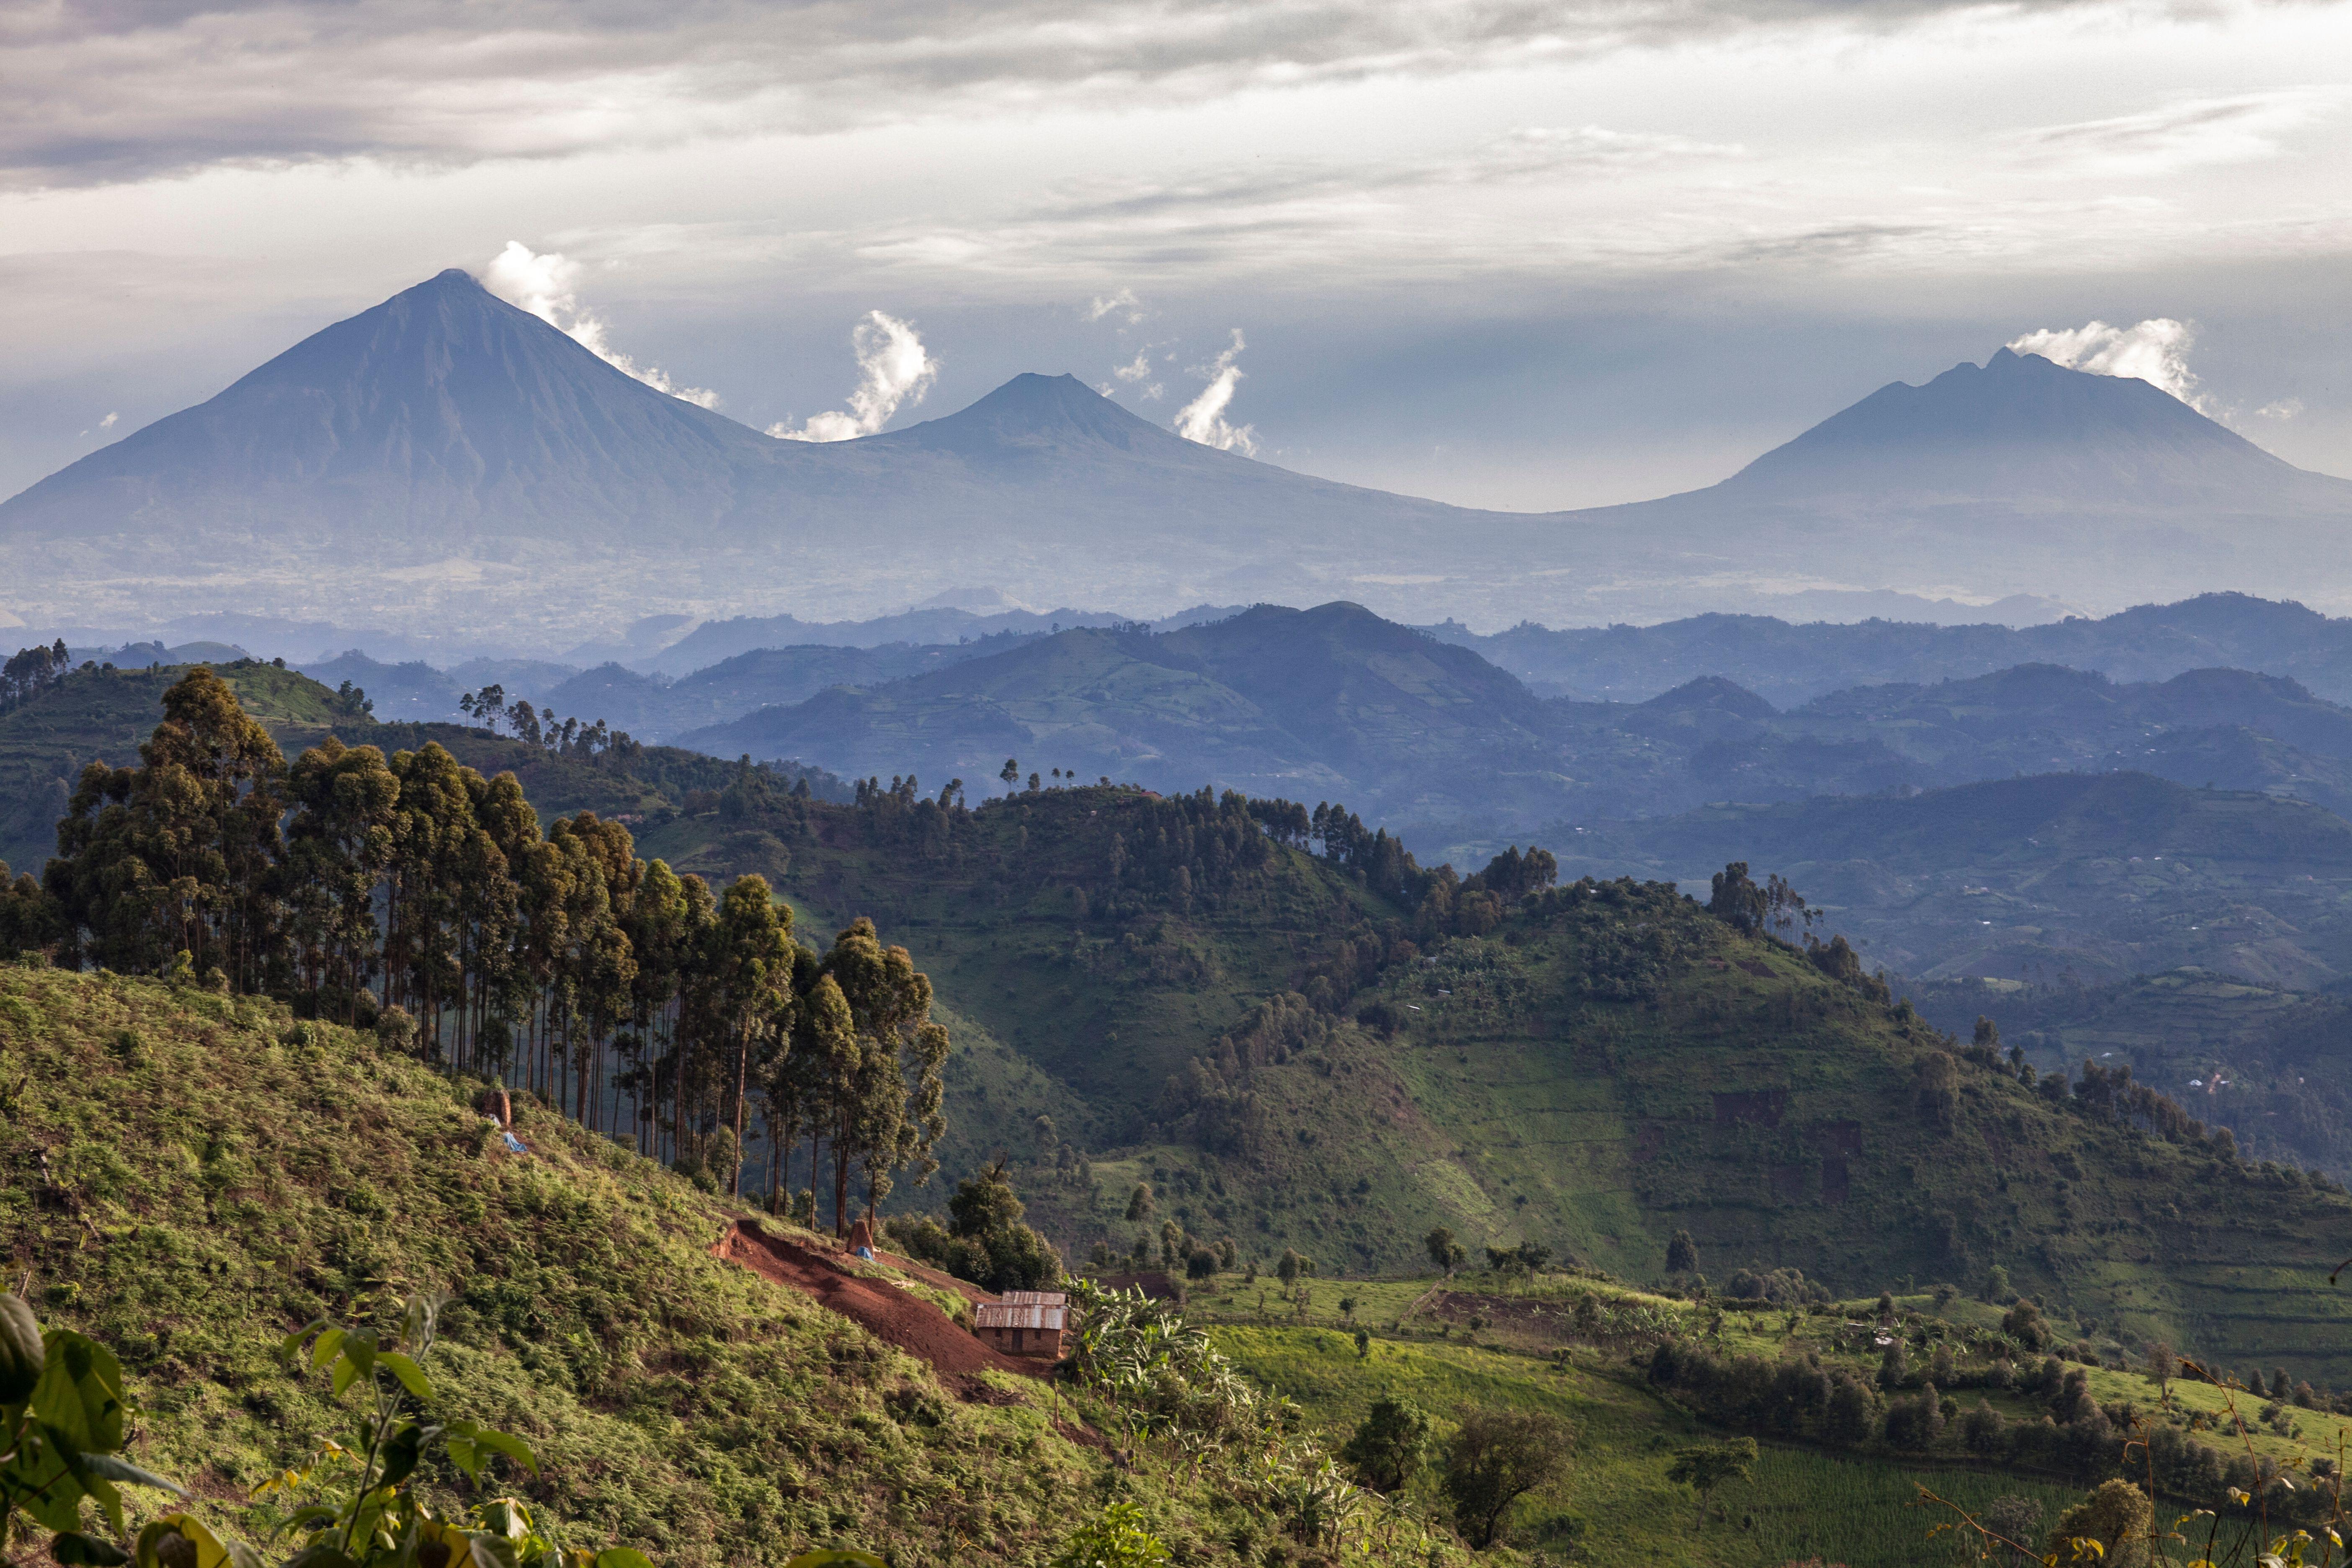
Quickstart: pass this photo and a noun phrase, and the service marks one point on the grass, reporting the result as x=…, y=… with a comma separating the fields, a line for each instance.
x=1617, y=1503
x=190, y=1176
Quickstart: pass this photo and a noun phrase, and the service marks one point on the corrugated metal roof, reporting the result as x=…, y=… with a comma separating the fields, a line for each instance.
x=1003, y=1315
x=1033, y=1299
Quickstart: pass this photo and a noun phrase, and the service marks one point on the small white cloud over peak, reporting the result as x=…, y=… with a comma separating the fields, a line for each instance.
x=2156, y=352
x=547, y=285
x=2284, y=408
x=894, y=369
x=1123, y=305
x=1203, y=419
x=1136, y=373
x=108, y=423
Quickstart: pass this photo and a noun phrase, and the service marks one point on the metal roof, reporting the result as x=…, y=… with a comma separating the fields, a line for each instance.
x=1005, y=1315
x=1033, y=1299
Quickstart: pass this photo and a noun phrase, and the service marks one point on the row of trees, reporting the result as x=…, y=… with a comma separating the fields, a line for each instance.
x=412, y=894
x=31, y=671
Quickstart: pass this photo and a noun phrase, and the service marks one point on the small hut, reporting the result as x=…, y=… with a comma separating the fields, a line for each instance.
x=1031, y=1325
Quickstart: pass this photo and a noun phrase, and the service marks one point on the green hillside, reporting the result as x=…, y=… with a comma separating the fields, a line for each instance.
x=1292, y=1057
x=2267, y=1060
x=96, y=715
x=2090, y=877
x=104, y=714
x=192, y=1176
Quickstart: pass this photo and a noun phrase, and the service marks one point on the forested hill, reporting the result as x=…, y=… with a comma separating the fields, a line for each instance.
x=49, y=735
x=1298, y=1037
x=1270, y=1014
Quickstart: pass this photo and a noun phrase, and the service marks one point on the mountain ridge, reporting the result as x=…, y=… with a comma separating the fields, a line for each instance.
x=445, y=454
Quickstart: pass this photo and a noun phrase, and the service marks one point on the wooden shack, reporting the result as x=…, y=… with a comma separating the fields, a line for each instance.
x=1033, y=1324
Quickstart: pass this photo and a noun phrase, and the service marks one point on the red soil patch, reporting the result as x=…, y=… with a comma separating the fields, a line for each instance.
x=882, y=1309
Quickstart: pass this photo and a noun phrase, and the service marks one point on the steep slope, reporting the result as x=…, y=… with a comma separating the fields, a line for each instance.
x=487, y=468
x=679, y=1403
x=1291, y=1057
x=102, y=715
x=1318, y=703
x=440, y=417
x=2271, y=1056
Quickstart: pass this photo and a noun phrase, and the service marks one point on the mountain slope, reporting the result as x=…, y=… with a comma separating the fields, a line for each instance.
x=679, y=1403
x=1292, y=1057
x=2025, y=432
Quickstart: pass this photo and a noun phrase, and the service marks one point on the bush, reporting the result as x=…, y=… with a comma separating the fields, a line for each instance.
x=1115, y=1538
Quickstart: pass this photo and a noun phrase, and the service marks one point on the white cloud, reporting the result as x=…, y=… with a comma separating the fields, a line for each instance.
x=896, y=370
x=2154, y=352
x=548, y=287
x=1122, y=304
x=2284, y=408
x=1203, y=418
x=1136, y=373
x=108, y=423
x=2191, y=133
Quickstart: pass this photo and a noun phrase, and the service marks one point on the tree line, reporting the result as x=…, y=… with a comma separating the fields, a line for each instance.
x=412, y=895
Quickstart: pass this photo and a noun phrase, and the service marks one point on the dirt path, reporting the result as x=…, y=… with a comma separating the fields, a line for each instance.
x=884, y=1310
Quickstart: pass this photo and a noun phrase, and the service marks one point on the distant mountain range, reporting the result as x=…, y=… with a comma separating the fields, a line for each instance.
x=449, y=461
x=1335, y=703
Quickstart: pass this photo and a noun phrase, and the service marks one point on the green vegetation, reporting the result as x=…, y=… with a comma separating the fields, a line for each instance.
x=193, y=1176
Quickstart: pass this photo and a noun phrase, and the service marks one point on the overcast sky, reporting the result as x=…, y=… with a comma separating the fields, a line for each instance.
x=1502, y=253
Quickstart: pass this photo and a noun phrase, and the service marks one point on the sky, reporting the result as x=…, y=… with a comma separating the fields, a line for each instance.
x=1531, y=256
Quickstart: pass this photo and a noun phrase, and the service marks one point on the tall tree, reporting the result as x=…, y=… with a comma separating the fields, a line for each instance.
x=173, y=857
x=751, y=960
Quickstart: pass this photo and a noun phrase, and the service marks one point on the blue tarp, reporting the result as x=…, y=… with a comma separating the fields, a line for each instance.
x=514, y=1143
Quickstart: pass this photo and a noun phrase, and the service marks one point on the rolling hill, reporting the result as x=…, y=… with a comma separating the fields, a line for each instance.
x=1320, y=703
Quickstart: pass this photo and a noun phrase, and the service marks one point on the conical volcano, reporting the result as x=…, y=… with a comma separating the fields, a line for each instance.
x=2025, y=430
x=441, y=416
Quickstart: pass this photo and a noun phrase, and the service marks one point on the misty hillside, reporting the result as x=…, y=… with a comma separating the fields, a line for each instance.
x=2079, y=878
x=1796, y=663
x=1327, y=703
x=1337, y=703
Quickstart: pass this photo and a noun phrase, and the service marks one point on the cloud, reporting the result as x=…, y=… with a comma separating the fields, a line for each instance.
x=895, y=370
x=2284, y=408
x=2191, y=133
x=548, y=287
x=1122, y=304
x=108, y=423
x=1203, y=418
x=100, y=93
x=2154, y=352
x=1136, y=373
